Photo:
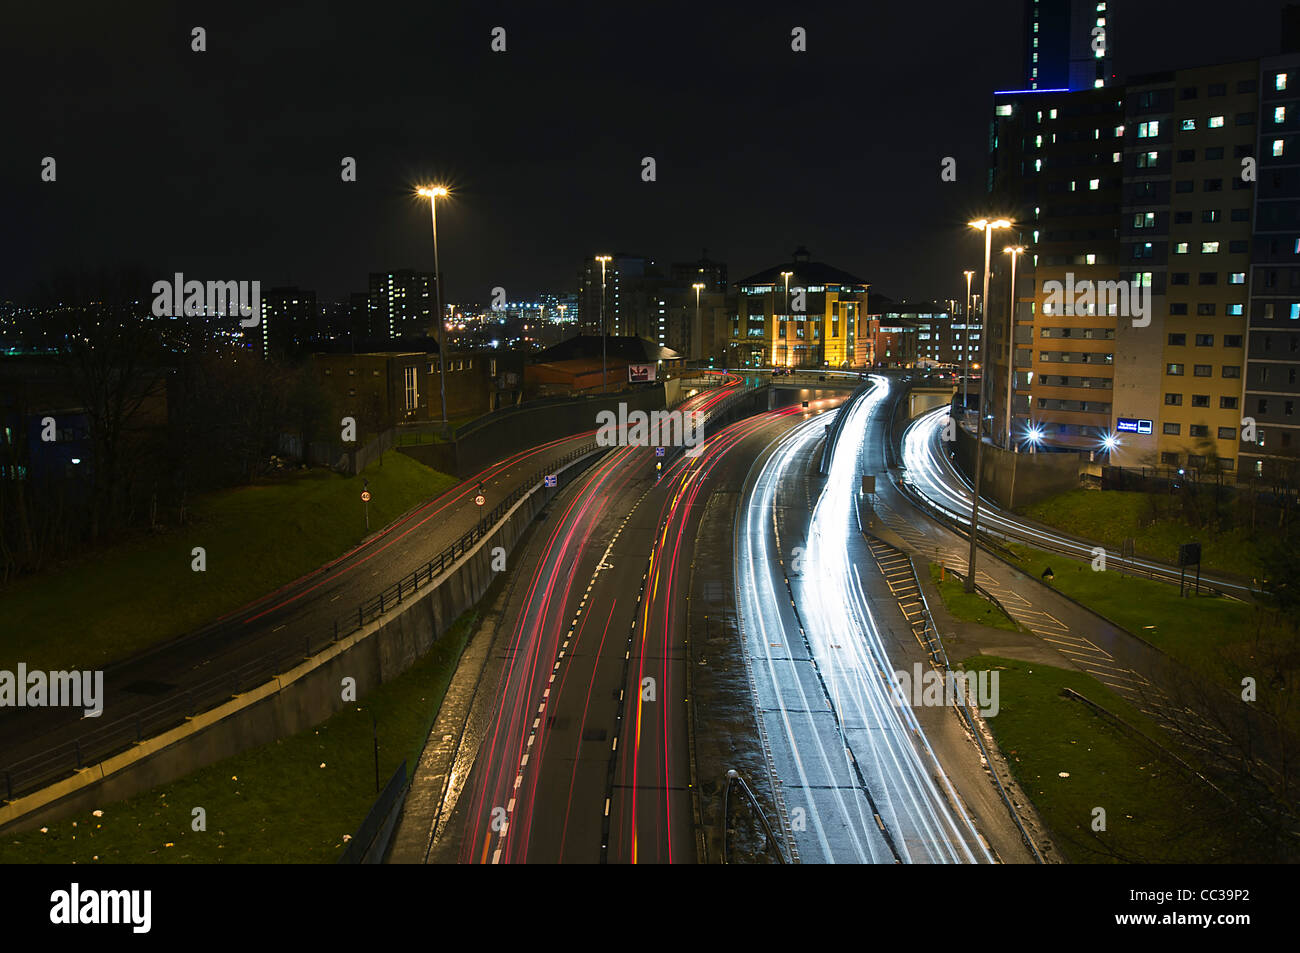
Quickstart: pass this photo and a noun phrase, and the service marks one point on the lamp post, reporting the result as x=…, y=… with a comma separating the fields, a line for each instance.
x=697, y=331
x=786, y=311
x=987, y=227
x=604, y=373
x=433, y=193
x=965, y=347
x=1015, y=251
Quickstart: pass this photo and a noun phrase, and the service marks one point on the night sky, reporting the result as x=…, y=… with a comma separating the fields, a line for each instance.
x=225, y=164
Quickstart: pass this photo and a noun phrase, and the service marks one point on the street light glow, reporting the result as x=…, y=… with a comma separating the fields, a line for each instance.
x=431, y=191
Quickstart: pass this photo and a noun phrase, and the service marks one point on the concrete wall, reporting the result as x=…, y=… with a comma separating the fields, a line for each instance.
x=296, y=700
x=1016, y=479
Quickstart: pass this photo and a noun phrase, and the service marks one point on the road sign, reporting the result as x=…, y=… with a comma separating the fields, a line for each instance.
x=365, y=496
x=480, y=500
x=551, y=480
x=659, y=451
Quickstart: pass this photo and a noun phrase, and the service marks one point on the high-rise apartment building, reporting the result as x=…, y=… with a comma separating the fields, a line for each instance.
x=402, y=303
x=1067, y=44
x=1271, y=399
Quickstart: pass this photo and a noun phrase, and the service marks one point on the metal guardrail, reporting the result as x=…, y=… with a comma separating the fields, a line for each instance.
x=372, y=825
x=104, y=741
x=733, y=777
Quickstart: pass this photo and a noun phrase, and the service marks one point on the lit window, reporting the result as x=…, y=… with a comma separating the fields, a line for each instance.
x=1277, y=147
x=1279, y=114
x=1234, y=309
x=1279, y=81
x=1148, y=130
x=1209, y=248
x=1189, y=125
x=1004, y=110
x=1180, y=248
x=1295, y=312
x=1038, y=165
x=1237, y=278
x=1051, y=114
x=1098, y=83
x=1216, y=122
x=1094, y=184
x=1091, y=259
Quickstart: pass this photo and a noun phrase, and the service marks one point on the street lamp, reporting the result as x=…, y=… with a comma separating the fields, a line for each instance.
x=697, y=331
x=604, y=386
x=787, y=275
x=987, y=227
x=433, y=193
x=965, y=347
x=1015, y=251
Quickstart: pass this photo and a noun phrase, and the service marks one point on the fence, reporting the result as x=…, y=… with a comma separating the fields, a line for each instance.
x=377, y=827
x=104, y=741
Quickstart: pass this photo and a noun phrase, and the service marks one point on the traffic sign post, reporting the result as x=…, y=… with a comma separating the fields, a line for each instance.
x=551, y=480
x=365, y=501
x=659, y=451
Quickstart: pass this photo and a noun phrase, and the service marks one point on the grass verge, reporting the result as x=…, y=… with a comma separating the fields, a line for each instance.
x=119, y=601
x=1070, y=761
x=1214, y=636
x=290, y=801
x=1111, y=516
x=969, y=606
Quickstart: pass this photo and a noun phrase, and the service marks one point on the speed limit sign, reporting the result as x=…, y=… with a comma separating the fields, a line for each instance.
x=365, y=496
x=480, y=500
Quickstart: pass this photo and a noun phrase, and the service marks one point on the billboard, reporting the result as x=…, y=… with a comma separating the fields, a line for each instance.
x=640, y=373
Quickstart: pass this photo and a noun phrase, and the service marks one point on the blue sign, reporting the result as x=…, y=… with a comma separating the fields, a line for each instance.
x=551, y=480
x=659, y=451
x=1132, y=425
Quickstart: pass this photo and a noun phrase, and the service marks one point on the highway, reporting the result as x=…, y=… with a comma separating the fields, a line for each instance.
x=860, y=781
x=583, y=755
x=930, y=471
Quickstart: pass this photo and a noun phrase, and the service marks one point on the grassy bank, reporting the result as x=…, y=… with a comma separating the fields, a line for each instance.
x=122, y=600
x=292, y=801
x=969, y=606
x=1154, y=523
x=1070, y=761
x=1211, y=635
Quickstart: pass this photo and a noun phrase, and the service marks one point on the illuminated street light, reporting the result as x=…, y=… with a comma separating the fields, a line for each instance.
x=965, y=347
x=1109, y=442
x=433, y=193
x=786, y=311
x=987, y=227
x=1015, y=251
x=698, y=332
x=603, y=372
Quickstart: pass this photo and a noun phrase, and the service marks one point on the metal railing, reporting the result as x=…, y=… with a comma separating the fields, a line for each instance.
x=733, y=777
x=104, y=741
x=359, y=846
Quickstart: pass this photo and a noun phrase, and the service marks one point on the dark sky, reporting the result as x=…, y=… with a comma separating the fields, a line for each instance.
x=225, y=164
